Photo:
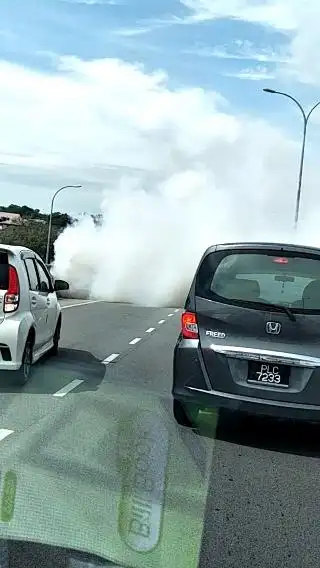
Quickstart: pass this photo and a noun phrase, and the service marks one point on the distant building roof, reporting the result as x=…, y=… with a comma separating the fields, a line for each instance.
x=11, y=217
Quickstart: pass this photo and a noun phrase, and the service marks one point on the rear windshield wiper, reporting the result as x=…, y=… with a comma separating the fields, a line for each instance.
x=279, y=308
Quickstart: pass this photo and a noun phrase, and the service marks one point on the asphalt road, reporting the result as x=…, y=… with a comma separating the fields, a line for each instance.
x=253, y=492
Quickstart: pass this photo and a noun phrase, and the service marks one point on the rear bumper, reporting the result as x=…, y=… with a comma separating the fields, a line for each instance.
x=9, y=365
x=13, y=335
x=191, y=385
x=214, y=399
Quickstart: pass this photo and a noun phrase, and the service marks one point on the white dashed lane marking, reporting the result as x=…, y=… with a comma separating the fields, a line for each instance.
x=69, y=387
x=4, y=433
x=110, y=358
x=135, y=340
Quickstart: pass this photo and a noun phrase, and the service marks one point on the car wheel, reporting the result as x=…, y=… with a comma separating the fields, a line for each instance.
x=56, y=339
x=180, y=414
x=24, y=373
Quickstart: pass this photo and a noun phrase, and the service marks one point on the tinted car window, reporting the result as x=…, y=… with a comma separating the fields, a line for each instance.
x=3, y=271
x=32, y=274
x=45, y=281
x=291, y=280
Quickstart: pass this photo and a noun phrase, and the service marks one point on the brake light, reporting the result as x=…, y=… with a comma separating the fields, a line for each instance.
x=12, y=296
x=189, y=326
x=281, y=260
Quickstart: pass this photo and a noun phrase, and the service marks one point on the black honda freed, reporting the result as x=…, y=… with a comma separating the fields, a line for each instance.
x=250, y=333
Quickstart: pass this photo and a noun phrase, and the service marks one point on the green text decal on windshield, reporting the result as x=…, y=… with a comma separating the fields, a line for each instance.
x=133, y=493
x=163, y=497
x=8, y=496
x=143, y=489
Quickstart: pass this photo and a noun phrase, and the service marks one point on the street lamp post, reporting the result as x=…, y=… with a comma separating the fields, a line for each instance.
x=305, y=124
x=50, y=217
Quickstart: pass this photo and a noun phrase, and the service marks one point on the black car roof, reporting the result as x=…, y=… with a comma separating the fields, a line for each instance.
x=263, y=245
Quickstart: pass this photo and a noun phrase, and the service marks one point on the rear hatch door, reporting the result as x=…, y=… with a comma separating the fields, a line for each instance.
x=237, y=329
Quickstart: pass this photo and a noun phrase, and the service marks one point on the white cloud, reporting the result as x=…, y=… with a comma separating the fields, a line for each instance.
x=179, y=171
x=131, y=32
x=258, y=73
x=298, y=21
x=279, y=14
x=73, y=119
x=241, y=50
x=305, y=46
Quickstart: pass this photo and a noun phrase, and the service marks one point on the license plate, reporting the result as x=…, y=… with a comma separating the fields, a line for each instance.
x=268, y=374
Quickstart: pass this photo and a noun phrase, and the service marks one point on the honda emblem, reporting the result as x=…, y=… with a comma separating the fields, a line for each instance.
x=273, y=327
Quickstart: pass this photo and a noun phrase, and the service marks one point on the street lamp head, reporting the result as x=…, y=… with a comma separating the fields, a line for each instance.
x=270, y=91
x=66, y=187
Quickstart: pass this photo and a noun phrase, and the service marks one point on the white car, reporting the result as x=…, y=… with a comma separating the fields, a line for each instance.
x=30, y=314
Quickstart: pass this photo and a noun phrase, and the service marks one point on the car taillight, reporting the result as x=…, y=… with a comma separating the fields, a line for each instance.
x=11, y=299
x=189, y=326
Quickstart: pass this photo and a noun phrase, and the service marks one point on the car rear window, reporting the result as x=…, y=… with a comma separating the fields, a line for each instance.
x=4, y=272
x=248, y=277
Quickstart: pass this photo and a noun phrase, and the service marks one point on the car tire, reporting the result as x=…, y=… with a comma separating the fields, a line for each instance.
x=180, y=414
x=56, y=338
x=23, y=374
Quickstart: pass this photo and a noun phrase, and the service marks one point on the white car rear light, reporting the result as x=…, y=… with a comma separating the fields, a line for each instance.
x=12, y=296
x=189, y=326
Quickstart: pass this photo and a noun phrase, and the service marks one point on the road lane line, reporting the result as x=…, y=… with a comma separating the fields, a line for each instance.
x=64, y=307
x=69, y=387
x=135, y=340
x=170, y=315
x=161, y=321
x=4, y=433
x=150, y=330
x=177, y=310
x=110, y=358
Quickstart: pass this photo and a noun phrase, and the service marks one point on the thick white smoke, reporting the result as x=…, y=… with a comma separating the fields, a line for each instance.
x=209, y=177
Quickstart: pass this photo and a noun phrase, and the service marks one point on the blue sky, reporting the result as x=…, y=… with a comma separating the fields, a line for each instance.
x=219, y=46
x=151, y=33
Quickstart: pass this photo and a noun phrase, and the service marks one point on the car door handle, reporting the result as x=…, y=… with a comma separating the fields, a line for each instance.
x=34, y=301
x=48, y=302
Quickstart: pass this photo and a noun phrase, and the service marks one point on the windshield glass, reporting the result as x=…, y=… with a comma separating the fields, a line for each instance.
x=286, y=279
x=136, y=134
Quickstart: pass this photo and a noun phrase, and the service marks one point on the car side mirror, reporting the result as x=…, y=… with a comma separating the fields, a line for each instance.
x=44, y=287
x=60, y=285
